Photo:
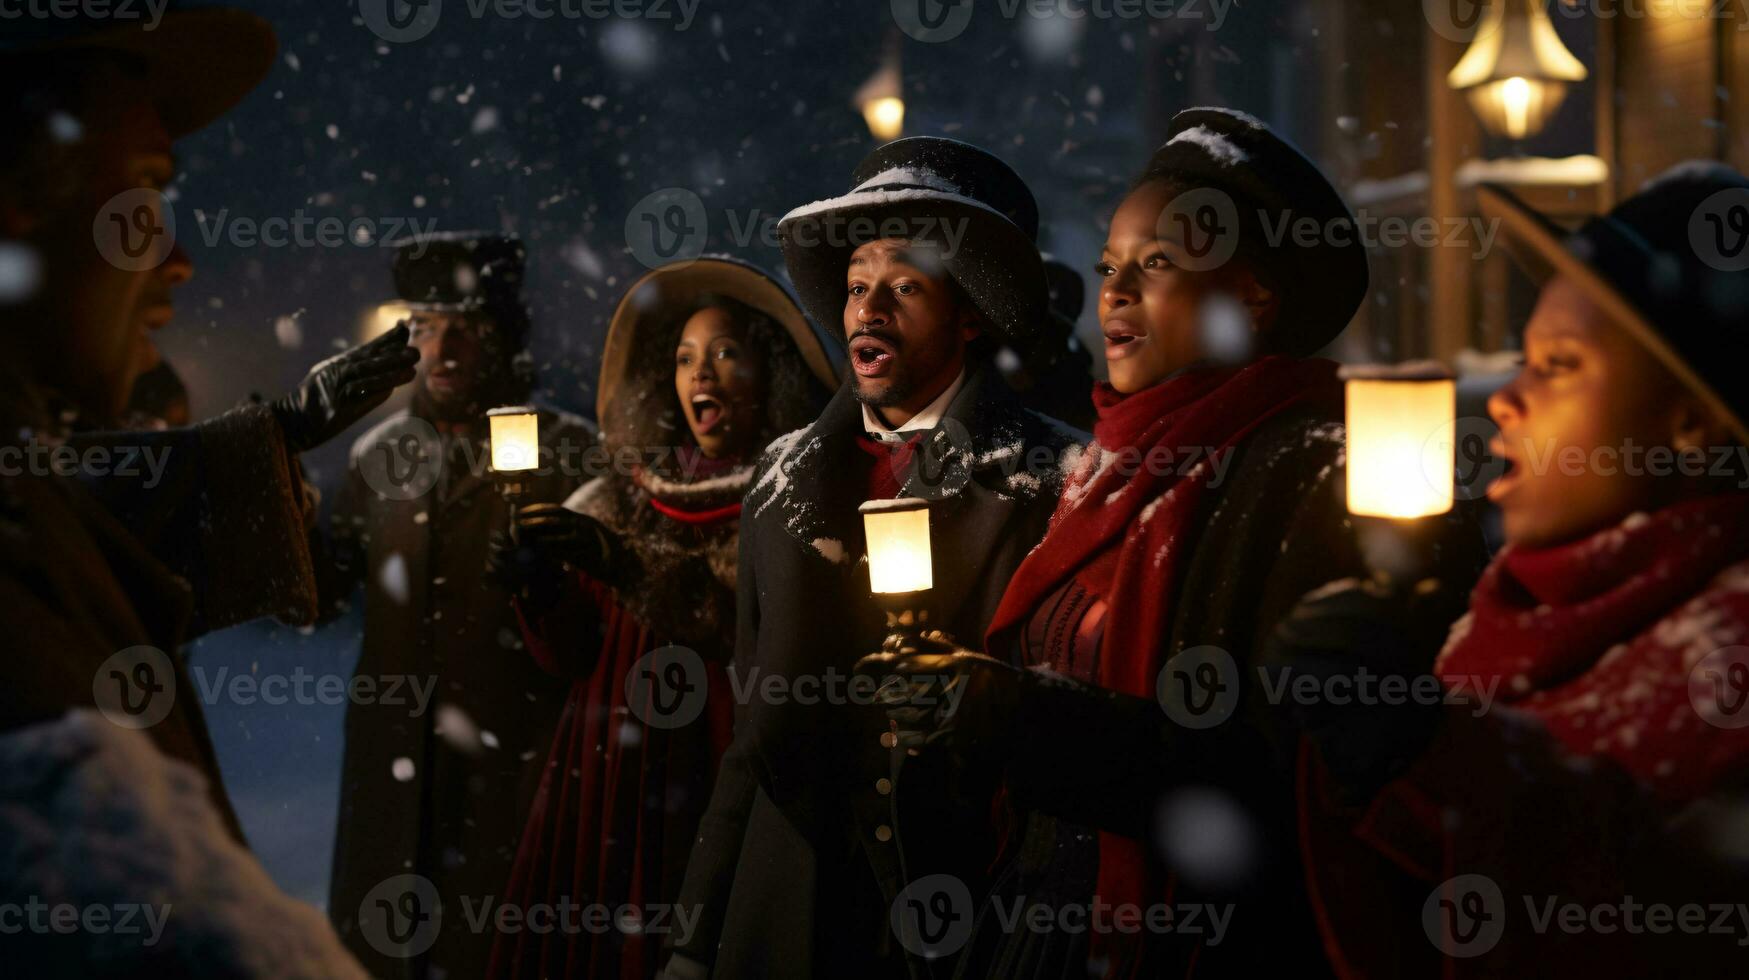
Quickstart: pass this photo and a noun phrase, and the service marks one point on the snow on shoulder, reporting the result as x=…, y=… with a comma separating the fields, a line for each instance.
x=94, y=817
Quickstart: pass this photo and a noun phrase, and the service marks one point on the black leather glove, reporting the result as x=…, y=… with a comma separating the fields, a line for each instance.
x=345, y=388
x=936, y=691
x=1375, y=704
x=544, y=541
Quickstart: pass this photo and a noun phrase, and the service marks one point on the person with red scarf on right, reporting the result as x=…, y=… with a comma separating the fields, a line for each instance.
x=1591, y=816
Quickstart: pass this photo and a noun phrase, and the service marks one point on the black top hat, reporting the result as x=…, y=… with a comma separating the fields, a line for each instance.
x=197, y=63
x=1267, y=181
x=927, y=188
x=1666, y=264
x=461, y=270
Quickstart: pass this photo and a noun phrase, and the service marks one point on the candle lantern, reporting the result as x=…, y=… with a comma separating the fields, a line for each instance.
x=1396, y=468
x=900, y=569
x=515, y=438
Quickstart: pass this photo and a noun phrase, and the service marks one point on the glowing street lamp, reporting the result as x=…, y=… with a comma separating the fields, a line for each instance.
x=900, y=567
x=1516, y=71
x=515, y=438
x=881, y=103
x=1396, y=466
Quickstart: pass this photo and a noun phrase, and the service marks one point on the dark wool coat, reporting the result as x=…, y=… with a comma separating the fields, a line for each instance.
x=438, y=789
x=1276, y=529
x=798, y=858
x=93, y=567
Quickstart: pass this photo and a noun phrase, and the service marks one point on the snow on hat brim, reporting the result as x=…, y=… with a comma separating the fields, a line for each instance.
x=1322, y=284
x=1540, y=246
x=199, y=63
x=665, y=293
x=995, y=262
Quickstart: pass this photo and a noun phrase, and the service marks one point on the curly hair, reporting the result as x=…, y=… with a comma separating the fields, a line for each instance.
x=648, y=411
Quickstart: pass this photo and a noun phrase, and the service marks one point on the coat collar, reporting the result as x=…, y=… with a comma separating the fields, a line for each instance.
x=972, y=466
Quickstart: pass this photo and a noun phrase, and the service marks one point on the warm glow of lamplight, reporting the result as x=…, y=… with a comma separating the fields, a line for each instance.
x=1397, y=467
x=1516, y=70
x=1515, y=95
x=898, y=545
x=383, y=319
x=515, y=439
x=885, y=117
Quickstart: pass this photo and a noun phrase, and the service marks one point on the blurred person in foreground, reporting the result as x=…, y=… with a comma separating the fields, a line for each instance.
x=106, y=567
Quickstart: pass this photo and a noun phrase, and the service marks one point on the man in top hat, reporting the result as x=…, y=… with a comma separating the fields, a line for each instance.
x=439, y=787
x=926, y=265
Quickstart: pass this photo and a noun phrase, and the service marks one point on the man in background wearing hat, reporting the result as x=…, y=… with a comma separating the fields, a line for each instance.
x=441, y=789
x=927, y=263
x=104, y=576
x=1056, y=379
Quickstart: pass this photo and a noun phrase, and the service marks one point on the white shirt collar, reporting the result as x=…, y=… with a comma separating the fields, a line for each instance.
x=925, y=420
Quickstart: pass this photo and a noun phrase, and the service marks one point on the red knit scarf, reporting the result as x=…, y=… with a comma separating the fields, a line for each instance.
x=1138, y=491
x=1620, y=643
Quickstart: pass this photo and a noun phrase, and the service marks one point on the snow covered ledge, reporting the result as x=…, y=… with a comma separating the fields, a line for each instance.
x=113, y=863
